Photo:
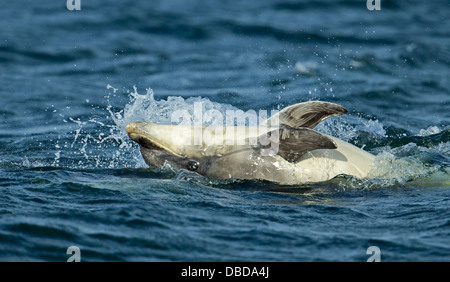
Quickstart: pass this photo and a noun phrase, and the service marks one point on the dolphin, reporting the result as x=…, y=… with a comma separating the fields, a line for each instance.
x=284, y=149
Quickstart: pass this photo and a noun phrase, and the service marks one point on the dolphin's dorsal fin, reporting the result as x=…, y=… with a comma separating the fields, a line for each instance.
x=292, y=143
x=307, y=114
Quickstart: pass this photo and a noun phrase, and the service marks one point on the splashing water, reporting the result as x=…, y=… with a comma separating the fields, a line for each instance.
x=105, y=144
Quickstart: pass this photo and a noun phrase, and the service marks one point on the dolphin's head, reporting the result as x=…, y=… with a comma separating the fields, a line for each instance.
x=166, y=143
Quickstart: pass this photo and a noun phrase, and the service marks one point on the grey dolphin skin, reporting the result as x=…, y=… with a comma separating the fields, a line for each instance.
x=284, y=149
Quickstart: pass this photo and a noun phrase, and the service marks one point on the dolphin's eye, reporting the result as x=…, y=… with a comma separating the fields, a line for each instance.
x=192, y=165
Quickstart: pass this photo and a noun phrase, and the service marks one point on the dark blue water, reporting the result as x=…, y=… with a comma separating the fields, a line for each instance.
x=71, y=80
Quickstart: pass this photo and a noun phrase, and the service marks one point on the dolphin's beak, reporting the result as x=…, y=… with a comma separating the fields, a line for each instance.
x=136, y=131
x=152, y=136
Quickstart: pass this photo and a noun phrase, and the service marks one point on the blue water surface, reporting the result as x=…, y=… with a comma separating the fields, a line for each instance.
x=71, y=80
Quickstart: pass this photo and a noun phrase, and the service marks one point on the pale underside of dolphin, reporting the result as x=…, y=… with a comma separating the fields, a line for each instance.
x=284, y=149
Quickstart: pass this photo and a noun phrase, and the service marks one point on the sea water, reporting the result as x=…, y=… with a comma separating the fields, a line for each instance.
x=70, y=81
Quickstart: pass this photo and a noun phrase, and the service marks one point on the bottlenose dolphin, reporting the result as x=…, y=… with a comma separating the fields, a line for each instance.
x=300, y=155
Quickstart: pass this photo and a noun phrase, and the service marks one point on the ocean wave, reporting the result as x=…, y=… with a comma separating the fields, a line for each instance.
x=14, y=54
x=298, y=36
x=328, y=5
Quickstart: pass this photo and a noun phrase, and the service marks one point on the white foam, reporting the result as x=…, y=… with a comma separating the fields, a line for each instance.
x=342, y=128
x=429, y=131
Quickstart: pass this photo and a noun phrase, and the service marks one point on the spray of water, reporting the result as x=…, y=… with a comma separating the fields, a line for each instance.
x=103, y=142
